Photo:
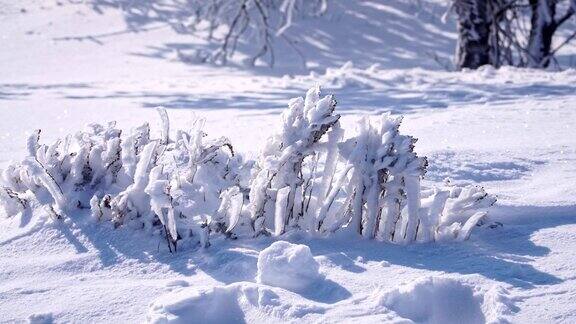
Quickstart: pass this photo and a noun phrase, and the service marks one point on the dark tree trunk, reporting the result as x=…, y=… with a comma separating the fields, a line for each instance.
x=473, y=48
x=541, y=32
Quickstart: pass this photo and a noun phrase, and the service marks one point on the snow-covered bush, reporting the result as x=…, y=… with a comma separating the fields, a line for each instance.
x=155, y=184
x=187, y=187
x=309, y=179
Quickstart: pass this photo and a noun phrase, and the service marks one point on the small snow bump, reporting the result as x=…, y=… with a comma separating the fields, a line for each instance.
x=289, y=266
x=384, y=264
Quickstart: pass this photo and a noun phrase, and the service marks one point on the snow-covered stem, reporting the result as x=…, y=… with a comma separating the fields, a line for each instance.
x=280, y=168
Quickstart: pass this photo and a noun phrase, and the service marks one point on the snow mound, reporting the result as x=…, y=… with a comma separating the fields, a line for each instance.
x=446, y=300
x=236, y=303
x=289, y=266
x=208, y=304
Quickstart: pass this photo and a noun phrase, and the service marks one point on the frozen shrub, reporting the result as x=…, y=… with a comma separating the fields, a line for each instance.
x=309, y=177
x=384, y=196
x=310, y=180
x=159, y=185
x=177, y=186
x=464, y=208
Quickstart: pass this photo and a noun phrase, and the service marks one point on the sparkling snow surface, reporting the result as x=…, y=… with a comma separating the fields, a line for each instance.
x=510, y=130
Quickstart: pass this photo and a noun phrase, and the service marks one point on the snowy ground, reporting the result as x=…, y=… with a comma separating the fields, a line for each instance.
x=63, y=66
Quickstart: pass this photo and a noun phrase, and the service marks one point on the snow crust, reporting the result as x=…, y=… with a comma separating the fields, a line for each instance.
x=289, y=266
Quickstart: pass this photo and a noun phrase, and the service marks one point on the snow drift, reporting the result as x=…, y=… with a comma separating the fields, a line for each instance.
x=241, y=302
x=210, y=304
x=435, y=300
x=310, y=177
x=427, y=300
x=445, y=300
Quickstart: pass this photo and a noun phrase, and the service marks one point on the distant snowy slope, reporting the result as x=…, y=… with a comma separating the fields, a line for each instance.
x=398, y=33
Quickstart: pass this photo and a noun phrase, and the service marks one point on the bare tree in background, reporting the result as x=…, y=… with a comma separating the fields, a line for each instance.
x=490, y=32
x=257, y=21
x=226, y=23
x=509, y=32
x=473, y=48
x=545, y=22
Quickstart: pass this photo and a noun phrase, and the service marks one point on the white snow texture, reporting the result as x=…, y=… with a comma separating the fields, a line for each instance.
x=112, y=214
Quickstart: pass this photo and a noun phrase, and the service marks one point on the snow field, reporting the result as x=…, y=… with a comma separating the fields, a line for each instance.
x=509, y=130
